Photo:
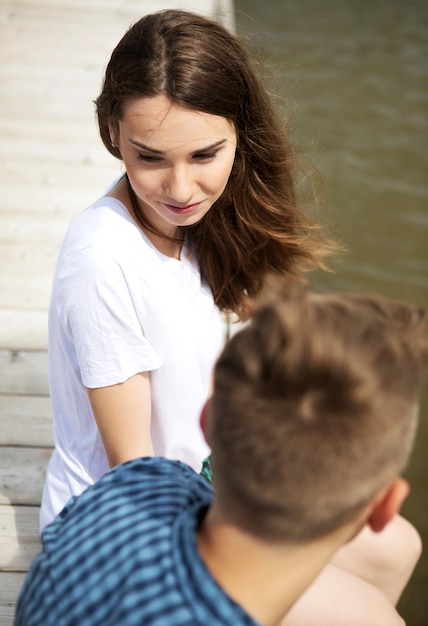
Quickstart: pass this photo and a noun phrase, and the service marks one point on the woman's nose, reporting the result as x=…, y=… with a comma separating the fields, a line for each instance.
x=179, y=184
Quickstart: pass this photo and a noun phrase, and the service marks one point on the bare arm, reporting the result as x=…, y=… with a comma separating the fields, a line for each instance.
x=123, y=413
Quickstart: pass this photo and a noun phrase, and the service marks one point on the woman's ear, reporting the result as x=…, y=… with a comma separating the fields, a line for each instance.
x=388, y=504
x=113, y=137
x=203, y=420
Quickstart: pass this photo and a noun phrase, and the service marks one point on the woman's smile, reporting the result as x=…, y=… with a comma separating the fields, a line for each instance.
x=186, y=209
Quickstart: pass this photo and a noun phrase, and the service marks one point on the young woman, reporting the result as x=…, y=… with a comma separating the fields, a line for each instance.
x=206, y=206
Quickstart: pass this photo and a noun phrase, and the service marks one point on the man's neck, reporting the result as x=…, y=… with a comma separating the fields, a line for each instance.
x=265, y=578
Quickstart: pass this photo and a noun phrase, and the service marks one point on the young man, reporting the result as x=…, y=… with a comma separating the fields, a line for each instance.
x=311, y=422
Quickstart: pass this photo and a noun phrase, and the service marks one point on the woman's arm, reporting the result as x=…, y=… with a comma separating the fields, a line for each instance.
x=122, y=413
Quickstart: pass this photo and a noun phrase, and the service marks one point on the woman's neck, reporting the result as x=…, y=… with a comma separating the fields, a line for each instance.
x=169, y=246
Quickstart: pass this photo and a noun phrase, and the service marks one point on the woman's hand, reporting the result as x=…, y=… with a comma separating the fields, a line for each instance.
x=123, y=413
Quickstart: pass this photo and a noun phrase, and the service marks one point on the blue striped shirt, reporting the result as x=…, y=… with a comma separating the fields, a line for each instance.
x=124, y=553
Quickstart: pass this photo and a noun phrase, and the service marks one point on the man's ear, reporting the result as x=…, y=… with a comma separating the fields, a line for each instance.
x=388, y=504
x=203, y=420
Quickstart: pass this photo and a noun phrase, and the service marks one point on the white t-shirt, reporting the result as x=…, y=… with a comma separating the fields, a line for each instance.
x=119, y=307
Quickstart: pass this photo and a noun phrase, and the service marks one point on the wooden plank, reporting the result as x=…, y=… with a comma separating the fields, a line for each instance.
x=10, y=586
x=22, y=289
x=24, y=373
x=57, y=195
x=25, y=421
x=29, y=227
x=19, y=537
x=22, y=473
x=46, y=191
x=22, y=330
x=38, y=260
x=31, y=292
x=6, y=614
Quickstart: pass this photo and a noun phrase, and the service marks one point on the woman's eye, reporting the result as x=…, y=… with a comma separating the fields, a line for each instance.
x=204, y=156
x=148, y=158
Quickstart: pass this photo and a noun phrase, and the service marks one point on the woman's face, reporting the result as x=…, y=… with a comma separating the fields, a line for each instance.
x=178, y=160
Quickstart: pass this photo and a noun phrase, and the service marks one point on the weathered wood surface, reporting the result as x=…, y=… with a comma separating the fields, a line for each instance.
x=25, y=421
x=19, y=537
x=22, y=473
x=52, y=56
x=11, y=583
x=24, y=373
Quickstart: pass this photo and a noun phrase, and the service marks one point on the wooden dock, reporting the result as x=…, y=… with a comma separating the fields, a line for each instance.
x=52, y=55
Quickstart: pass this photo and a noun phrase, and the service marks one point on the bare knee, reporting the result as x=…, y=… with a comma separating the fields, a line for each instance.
x=386, y=559
x=338, y=598
x=400, y=545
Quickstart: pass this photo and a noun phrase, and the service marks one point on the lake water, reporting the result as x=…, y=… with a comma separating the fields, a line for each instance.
x=354, y=74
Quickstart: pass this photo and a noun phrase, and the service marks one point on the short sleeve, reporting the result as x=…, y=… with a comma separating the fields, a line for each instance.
x=95, y=298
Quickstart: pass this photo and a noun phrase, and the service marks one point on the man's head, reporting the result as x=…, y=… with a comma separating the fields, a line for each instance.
x=314, y=411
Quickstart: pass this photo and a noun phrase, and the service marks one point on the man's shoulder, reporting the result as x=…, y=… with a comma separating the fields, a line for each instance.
x=157, y=472
x=142, y=489
x=127, y=549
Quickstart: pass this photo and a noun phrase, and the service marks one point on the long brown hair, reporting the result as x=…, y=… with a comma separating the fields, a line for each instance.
x=255, y=226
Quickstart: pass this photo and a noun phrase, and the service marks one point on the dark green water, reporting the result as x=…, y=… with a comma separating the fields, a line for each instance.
x=354, y=74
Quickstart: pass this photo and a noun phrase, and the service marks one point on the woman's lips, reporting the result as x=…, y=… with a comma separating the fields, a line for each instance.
x=180, y=210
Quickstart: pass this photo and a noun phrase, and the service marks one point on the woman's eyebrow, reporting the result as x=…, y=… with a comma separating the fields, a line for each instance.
x=142, y=146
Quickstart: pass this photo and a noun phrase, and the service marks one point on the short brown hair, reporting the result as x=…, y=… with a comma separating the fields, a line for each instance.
x=255, y=226
x=314, y=410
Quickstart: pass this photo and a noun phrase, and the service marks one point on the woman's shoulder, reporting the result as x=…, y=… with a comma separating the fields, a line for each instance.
x=106, y=226
x=103, y=216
